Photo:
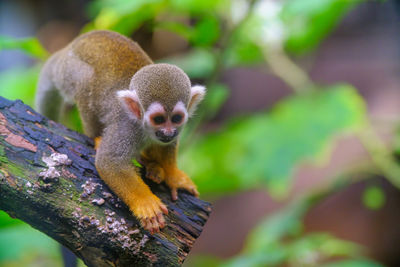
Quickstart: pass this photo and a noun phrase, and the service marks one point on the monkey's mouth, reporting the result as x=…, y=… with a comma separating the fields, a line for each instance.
x=164, y=138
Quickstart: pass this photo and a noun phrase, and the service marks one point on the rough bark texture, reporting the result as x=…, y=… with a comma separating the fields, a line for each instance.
x=48, y=179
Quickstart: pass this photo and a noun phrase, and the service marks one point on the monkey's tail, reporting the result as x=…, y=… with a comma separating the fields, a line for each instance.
x=48, y=100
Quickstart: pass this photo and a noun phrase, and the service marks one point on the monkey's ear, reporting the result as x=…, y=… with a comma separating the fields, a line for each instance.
x=130, y=101
x=196, y=95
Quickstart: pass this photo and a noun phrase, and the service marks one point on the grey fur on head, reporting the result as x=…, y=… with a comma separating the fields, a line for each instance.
x=162, y=82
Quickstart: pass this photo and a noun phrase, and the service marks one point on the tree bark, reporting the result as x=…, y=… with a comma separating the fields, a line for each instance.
x=48, y=179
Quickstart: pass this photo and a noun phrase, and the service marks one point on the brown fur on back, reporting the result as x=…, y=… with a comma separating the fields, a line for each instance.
x=91, y=69
x=114, y=57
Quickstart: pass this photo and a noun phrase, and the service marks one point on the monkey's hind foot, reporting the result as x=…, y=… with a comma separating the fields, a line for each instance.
x=155, y=172
x=149, y=210
x=177, y=179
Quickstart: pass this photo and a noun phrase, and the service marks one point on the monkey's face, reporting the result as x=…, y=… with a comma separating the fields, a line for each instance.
x=163, y=126
x=164, y=110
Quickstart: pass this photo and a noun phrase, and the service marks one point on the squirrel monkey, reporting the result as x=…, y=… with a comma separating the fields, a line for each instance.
x=136, y=107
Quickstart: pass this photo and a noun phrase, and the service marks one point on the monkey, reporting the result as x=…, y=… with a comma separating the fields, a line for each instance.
x=132, y=107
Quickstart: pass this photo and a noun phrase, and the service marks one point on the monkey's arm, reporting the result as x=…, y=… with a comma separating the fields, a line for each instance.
x=161, y=165
x=113, y=162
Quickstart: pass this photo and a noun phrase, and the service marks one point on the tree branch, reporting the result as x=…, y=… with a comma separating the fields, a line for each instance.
x=48, y=179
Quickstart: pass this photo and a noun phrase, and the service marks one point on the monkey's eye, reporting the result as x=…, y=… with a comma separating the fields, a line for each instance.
x=159, y=120
x=177, y=118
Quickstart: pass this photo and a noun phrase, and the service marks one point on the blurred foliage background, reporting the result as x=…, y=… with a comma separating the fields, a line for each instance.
x=229, y=155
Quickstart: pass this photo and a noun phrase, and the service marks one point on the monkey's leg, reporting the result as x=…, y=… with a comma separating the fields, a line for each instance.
x=161, y=160
x=115, y=168
x=91, y=124
x=128, y=186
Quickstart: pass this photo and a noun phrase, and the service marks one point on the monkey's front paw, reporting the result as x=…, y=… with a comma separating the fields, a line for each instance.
x=155, y=172
x=149, y=210
x=177, y=179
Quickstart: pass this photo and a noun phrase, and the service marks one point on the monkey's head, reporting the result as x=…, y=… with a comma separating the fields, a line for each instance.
x=161, y=97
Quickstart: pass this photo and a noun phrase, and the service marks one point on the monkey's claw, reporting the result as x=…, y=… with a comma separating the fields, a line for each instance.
x=150, y=213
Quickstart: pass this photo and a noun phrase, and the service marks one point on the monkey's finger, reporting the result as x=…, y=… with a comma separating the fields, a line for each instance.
x=153, y=177
x=150, y=226
x=164, y=209
x=144, y=224
x=174, y=194
x=195, y=192
x=161, y=220
x=155, y=225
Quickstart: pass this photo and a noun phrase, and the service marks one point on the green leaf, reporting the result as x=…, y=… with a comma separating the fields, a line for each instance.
x=299, y=25
x=216, y=97
x=275, y=227
x=279, y=241
x=179, y=28
x=199, y=260
x=123, y=7
x=136, y=163
x=243, y=47
x=396, y=142
x=19, y=83
x=268, y=258
x=374, y=198
x=242, y=52
x=265, y=148
x=123, y=16
x=206, y=31
x=22, y=245
x=127, y=16
x=197, y=63
x=353, y=263
x=30, y=46
x=314, y=247
x=7, y=221
x=308, y=22
x=197, y=6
